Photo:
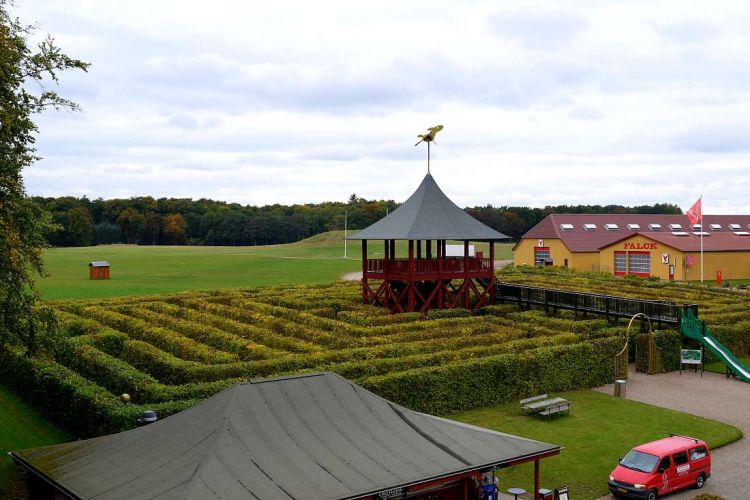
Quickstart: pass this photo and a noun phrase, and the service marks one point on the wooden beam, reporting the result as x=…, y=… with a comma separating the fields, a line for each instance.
x=364, y=271
x=492, y=271
x=536, y=480
x=466, y=274
x=429, y=249
x=410, y=305
x=440, y=257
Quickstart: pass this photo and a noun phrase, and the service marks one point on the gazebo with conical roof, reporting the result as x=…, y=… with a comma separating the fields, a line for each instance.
x=421, y=281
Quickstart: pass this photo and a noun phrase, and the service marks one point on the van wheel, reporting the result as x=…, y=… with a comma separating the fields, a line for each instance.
x=652, y=495
x=700, y=481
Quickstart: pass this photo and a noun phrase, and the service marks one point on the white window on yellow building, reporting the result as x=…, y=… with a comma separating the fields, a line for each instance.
x=639, y=263
x=621, y=263
x=541, y=255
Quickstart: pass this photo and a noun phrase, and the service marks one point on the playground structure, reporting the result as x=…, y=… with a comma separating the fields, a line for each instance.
x=695, y=328
x=684, y=317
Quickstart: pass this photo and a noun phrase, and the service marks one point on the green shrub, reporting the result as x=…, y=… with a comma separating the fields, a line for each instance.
x=670, y=343
x=497, y=379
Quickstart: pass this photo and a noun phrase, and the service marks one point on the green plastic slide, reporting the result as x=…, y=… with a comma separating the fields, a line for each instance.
x=695, y=328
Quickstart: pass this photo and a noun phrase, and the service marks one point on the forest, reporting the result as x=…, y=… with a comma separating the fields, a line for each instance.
x=145, y=220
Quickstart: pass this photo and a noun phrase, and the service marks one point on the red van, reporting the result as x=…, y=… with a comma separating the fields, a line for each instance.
x=660, y=467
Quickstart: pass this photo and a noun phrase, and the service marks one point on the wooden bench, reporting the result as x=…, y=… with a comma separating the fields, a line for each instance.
x=525, y=402
x=556, y=408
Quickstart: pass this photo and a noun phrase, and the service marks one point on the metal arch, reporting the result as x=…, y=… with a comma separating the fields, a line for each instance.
x=621, y=358
x=630, y=323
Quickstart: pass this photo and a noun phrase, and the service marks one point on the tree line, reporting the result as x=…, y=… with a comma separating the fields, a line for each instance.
x=180, y=221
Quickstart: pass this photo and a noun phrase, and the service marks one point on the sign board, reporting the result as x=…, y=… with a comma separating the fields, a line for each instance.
x=690, y=356
x=639, y=246
x=393, y=492
x=540, y=243
x=458, y=250
x=561, y=493
x=665, y=258
x=690, y=260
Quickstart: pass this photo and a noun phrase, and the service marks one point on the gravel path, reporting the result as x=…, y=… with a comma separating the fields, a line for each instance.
x=711, y=396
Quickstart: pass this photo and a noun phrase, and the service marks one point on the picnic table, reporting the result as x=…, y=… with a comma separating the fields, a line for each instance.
x=548, y=407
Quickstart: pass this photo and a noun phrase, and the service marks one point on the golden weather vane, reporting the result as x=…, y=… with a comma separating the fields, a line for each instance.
x=428, y=138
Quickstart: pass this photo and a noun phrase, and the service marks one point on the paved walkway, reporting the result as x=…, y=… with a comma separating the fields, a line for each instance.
x=711, y=396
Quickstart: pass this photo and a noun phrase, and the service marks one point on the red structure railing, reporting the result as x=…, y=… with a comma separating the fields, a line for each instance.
x=376, y=268
x=428, y=281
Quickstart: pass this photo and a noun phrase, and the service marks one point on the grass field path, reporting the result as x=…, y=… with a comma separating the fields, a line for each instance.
x=148, y=270
x=20, y=427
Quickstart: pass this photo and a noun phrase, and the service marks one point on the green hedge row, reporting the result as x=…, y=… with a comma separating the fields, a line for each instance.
x=210, y=336
x=670, y=343
x=76, y=404
x=205, y=313
x=88, y=409
x=172, y=342
x=498, y=379
x=109, y=372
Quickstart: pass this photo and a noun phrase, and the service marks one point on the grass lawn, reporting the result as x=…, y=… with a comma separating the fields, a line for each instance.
x=599, y=429
x=719, y=367
x=138, y=270
x=21, y=427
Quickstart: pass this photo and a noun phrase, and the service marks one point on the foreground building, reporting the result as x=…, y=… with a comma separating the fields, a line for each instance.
x=314, y=436
x=664, y=246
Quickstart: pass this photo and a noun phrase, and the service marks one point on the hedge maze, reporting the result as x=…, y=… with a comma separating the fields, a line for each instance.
x=726, y=310
x=169, y=351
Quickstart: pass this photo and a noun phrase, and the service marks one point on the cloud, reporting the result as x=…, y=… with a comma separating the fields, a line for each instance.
x=715, y=140
x=539, y=29
x=543, y=103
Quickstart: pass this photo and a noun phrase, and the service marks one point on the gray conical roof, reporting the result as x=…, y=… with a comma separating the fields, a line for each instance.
x=315, y=436
x=428, y=215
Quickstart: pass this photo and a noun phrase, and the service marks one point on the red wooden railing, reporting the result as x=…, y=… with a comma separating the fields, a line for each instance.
x=427, y=266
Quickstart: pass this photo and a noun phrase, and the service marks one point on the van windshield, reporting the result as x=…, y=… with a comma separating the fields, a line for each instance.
x=637, y=460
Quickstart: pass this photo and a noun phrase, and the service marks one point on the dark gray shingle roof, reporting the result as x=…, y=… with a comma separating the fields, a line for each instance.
x=428, y=215
x=314, y=436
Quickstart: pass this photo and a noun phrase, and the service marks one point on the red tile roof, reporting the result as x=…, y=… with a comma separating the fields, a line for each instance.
x=580, y=240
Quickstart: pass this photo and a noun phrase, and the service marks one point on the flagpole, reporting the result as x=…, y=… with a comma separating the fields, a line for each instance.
x=702, y=231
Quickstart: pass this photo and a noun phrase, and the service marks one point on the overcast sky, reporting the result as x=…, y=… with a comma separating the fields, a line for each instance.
x=263, y=102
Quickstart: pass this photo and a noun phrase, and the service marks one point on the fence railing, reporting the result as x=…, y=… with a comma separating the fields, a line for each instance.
x=428, y=266
x=608, y=305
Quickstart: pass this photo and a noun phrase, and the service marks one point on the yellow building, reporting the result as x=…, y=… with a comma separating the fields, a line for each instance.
x=665, y=246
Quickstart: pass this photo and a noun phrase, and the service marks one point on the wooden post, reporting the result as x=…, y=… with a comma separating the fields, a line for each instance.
x=492, y=272
x=393, y=249
x=364, y=271
x=429, y=249
x=411, y=277
x=419, y=249
x=385, y=250
x=441, y=292
x=466, y=274
x=536, y=480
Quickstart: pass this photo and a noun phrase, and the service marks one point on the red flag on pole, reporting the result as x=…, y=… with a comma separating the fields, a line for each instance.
x=694, y=214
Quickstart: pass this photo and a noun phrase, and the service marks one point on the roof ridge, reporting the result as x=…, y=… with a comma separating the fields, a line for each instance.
x=222, y=431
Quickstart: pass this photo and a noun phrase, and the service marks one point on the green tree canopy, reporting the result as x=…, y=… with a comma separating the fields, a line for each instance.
x=22, y=224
